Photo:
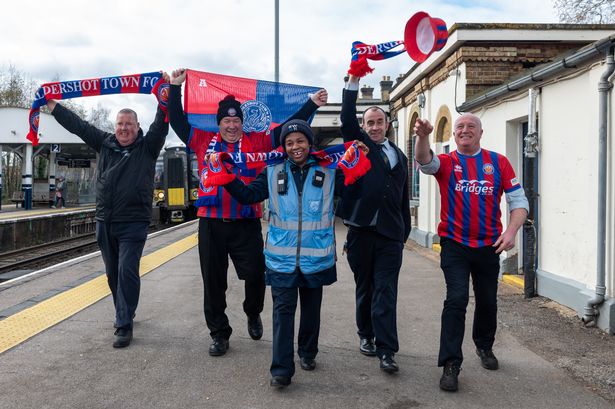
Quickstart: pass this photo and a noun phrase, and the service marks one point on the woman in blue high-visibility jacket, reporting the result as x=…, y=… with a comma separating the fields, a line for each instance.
x=300, y=246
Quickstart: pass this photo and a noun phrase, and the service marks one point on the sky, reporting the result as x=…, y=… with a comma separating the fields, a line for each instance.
x=77, y=39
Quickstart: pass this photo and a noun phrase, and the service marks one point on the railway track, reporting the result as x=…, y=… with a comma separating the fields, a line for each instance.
x=23, y=261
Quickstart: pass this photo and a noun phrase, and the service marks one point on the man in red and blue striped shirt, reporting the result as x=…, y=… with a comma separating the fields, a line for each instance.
x=472, y=181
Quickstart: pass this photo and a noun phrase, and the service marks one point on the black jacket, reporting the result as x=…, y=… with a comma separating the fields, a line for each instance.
x=381, y=190
x=124, y=174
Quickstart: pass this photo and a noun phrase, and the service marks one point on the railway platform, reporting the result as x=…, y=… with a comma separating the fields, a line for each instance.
x=56, y=331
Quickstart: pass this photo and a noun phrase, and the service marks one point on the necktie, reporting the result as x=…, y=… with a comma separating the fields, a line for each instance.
x=385, y=158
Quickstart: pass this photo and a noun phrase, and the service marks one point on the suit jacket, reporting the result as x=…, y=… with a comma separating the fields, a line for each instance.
x=381, y=191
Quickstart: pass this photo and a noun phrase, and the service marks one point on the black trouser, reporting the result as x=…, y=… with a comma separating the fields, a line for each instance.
x=242, y=240
x=284, y=307
x=458, y=263
x=121, y=246
x=375, y=261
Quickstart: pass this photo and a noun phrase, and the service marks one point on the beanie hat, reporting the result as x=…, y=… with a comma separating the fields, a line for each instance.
x=297, y=125
x=229, y=106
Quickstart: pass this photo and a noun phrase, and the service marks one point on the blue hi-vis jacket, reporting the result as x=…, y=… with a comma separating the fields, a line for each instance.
x=301, y=226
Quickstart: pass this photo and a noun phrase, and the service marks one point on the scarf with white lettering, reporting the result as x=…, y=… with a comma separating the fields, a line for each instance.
x=146, y=83
x=347, y=157
x=361, y=52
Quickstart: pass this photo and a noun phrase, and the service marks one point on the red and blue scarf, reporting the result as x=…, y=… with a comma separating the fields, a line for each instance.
x=361, y=52
x=347, y=157
x=146, y=83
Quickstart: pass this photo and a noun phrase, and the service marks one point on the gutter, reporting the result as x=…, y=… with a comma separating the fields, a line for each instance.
x=542, y=73
x=604, y=88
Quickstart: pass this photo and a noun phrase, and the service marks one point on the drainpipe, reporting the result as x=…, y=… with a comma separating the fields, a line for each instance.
x=604, y=87
x=529, y=227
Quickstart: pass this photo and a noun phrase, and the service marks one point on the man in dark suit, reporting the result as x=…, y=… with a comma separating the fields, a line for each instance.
x=376, y=210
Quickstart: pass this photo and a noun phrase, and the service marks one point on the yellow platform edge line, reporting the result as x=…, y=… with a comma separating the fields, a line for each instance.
x=514, y=280
x=25, y=324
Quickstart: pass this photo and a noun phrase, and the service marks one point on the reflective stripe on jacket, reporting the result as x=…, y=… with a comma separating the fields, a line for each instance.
x=301, y=230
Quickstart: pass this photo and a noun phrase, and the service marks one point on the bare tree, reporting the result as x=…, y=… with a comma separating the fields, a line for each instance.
x=99, y=117
x=585, y=11
x=16, y=89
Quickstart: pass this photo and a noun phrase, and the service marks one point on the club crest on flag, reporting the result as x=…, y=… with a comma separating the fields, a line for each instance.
x=265, y=104
x=256, y=116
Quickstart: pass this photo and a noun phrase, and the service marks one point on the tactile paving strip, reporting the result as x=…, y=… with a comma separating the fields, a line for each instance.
x=25, y=324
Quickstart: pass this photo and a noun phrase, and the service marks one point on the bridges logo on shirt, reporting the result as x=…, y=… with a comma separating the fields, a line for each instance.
x=256, y=116
x=477, y=187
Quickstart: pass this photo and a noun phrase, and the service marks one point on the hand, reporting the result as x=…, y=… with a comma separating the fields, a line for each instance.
x=362, y=146
x=505, y=242
x=51, y=104
x=320, y=97
x=178, y=76
x=165, y=76
x=353, y=78
x=423, y=128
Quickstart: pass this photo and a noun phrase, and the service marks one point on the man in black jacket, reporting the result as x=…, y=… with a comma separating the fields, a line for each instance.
x=124, y=191
x=376, y=210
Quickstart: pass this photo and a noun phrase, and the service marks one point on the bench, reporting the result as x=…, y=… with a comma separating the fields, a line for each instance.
x=17, y=198
x=43, y=198
x=37, y=198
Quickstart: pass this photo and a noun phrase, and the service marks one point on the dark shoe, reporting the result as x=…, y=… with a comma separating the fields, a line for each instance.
x=255, y=327
x=218, y=347
x=388, y=364
x=449, y=381
x=308, y=364
x=367, y=347
x=123, y=336
x=487, y=359
x=279, y=381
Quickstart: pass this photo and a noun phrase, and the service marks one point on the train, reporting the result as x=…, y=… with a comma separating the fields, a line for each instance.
x=176, y=185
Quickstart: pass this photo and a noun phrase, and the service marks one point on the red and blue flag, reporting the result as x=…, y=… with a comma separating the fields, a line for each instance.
x=265, y=104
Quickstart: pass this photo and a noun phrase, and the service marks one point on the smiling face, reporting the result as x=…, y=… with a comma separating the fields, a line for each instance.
x=297, y=147
x=230, y=128
x=126, y=128
x=375, y=124
x=468, y=131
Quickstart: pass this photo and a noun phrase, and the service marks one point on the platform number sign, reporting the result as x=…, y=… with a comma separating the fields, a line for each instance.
x=55, y=147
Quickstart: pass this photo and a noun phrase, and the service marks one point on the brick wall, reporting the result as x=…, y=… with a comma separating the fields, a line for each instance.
x=487, y=65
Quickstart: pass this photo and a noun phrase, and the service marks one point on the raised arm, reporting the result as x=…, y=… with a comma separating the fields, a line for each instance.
x=177, y=117
x=157, y=133
x=350, y=124
x=422, y=152
x=91, y=135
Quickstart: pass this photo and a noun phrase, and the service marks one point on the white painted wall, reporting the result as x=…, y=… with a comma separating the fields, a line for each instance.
x=568, y=171
x=567, y=206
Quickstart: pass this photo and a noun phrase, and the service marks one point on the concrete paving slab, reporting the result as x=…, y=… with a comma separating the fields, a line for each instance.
x=167, y=366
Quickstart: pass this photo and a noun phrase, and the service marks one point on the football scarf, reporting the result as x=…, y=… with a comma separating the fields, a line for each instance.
x=347, y=157
x=146, y=83
x=361, y=52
